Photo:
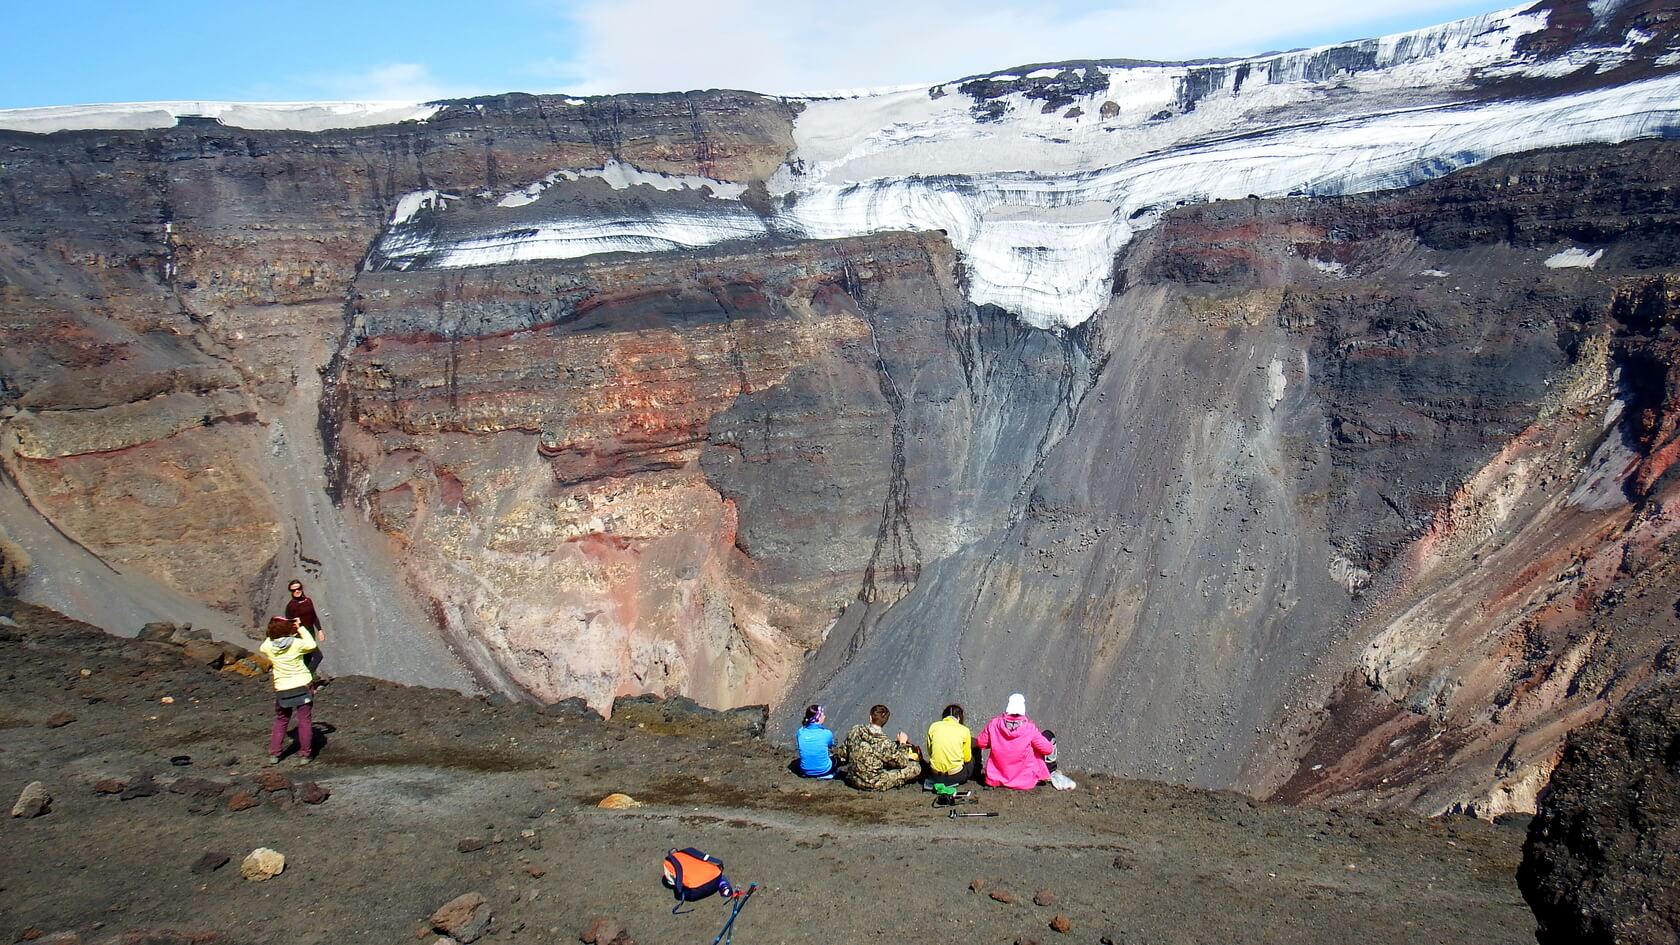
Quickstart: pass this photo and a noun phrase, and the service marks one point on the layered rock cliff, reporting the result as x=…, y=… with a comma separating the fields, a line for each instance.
x=1345, y=497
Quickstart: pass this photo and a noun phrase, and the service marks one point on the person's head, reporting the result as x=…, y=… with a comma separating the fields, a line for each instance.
x=281, y=627
x=295, y=588
x=954, y=711
x=879, y=715
x=813, y=714
x=1017, y=705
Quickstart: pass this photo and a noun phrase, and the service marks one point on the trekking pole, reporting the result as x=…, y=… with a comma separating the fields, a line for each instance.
x=726, y=935
x=987, y=813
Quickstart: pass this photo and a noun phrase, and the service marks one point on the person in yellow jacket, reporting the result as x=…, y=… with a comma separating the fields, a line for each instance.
x=950, y=749
x=287, y=644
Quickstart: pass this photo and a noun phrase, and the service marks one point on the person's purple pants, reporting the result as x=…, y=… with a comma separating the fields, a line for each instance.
x=305, y=727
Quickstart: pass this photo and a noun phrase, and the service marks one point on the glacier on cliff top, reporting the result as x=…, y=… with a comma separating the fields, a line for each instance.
x=1039, y=177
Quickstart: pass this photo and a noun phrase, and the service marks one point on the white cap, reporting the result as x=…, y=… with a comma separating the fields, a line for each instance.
x=1017, y=705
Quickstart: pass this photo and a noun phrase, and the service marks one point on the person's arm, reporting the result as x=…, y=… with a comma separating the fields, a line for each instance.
x=1042, y=746
x=984, y=739
x=968, y=749
x=315, y=617
x=306, y=642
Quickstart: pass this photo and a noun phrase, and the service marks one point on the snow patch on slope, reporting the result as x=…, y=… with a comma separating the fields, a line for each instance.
x=621, y=176
x=1574, y=258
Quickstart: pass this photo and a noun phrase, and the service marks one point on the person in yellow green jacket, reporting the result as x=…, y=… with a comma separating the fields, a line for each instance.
x=950, y=749
x=287, y=644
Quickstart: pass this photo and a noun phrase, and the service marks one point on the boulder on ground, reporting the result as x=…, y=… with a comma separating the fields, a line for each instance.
x=262, y=864
x=312, y=793
x=616, y=801
x=465, y=918
x=33, y=802
x=202, y=653
x=210, y=862
x=187, y=633
x=110, y=786
x=250, y=665
x=59, y=719
x=1600, y=864
x=157, y=631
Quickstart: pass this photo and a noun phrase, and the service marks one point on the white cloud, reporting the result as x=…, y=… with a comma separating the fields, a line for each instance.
x=388, y=82
x=793, y=46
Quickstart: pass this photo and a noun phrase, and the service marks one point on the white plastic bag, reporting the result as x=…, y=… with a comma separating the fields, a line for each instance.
x=1062, y=782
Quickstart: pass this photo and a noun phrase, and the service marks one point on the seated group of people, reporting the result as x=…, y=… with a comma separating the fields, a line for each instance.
x=1016, y=753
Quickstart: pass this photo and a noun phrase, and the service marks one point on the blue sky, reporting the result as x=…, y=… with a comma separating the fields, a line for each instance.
x=158, y=50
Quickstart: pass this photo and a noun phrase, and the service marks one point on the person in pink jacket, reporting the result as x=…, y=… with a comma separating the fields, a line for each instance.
x=1016, y=749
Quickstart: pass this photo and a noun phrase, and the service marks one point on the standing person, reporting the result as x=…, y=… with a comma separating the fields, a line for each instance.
x=1017, y=748
x=816, y=746
x=287, y=646
x=302, y=609
x=950, y=749
x=874, y=762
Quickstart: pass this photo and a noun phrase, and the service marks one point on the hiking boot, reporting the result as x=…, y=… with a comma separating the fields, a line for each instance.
x=302, y=760
x=273, y=759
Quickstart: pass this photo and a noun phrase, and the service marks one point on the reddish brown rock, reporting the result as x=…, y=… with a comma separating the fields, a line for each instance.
x=313, y=793
x=1002, y=895
x=243, y=800
x=1060, y=924
x=534, y=871
x=59, y=719
x=109, y=786
x=1044, y=897
x=273, y=781
x=465, y=918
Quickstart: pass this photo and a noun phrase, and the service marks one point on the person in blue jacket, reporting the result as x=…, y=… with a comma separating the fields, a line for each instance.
x=816, y=746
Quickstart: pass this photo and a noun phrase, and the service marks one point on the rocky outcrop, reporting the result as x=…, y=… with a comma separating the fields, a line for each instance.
x=1353, y=500
x=1601, y=863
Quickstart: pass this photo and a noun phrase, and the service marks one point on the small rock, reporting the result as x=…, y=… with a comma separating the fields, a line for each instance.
x=534, y=871
x=1026, y=940
x=261, y=864
x=312, y=793
x=274, y=781
x=618, y=802
x=110, y=786
x=142, y=786
x=33, y=802
x=59, y=719
x=243, y=800
x=1002, y=895
x=210, y=862
x=469, y=845
x=1044, y=897
x=604, y=930
x=464, y=918
x=1121, y=863
x=976, y=885
x=1060, y=924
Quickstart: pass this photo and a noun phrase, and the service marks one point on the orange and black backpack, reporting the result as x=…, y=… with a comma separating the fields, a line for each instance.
x=693, y=875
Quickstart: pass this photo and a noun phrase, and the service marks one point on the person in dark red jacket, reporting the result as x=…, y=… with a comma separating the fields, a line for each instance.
x=302, y=609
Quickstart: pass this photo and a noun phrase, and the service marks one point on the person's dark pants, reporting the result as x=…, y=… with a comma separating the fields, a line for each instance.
x=961, y=776
x=305, y=728
x=312, y=659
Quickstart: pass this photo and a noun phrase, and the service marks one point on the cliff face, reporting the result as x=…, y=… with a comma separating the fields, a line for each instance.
x=1358, y=499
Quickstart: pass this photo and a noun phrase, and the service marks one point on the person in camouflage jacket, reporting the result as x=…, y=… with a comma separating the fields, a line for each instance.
x=873, y=761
